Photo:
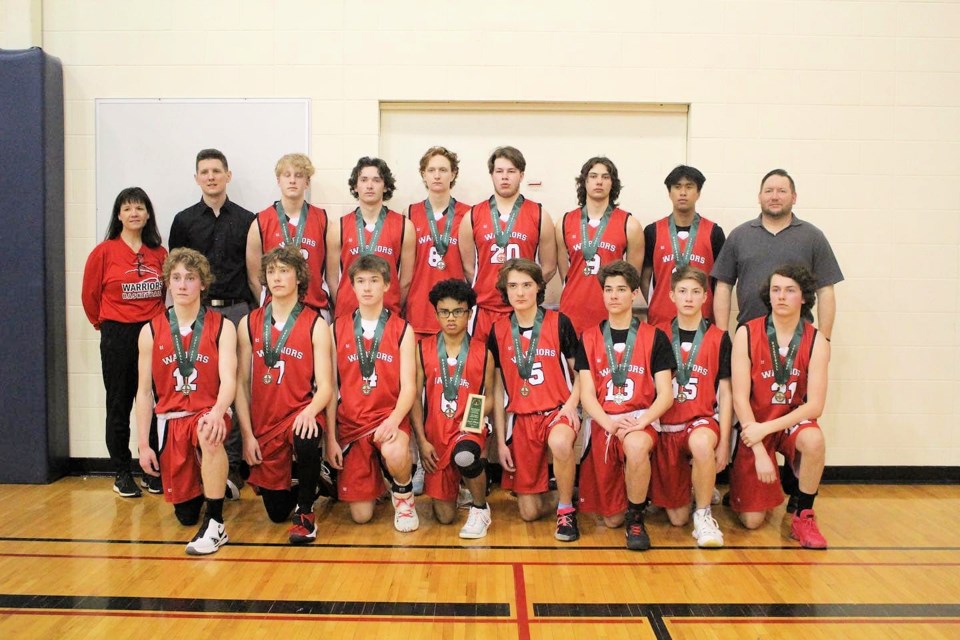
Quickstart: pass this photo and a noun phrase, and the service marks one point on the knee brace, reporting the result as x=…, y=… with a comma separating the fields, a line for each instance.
x=188, y=513
x=466, y=455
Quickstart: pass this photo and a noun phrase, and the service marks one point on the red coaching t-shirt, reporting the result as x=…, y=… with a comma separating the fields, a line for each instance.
x=121, y=284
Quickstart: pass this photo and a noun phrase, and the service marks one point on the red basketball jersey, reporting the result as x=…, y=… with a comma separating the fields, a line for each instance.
x=388, y=247
x=639, y=391
x=204, y=381
x=550, y=382
x=419, y=311
x=582, y=297
x=524, y=243
x=440, y=429
x=358, y=414
x=313, y=246
x=662, y=308
x=763, y=386
x=701, y=390
x=292, y=382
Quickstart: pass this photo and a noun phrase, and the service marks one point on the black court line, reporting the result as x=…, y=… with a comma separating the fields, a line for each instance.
x=656, y=613
x=273, y=607
x=321, y=545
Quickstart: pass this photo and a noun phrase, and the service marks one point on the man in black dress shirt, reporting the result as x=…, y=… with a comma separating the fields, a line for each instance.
x=217, y=227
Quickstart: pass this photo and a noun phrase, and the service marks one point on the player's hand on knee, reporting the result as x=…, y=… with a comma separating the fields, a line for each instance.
x=569, y=415
x=722, y=455
x=305, y=425
x=148, y=462
x=386, y=432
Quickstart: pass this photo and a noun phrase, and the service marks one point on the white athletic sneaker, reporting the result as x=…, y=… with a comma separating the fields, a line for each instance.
x=418, y=480
x=209, y=538
x=477, y=523
x=405, y=518
x=706, y=530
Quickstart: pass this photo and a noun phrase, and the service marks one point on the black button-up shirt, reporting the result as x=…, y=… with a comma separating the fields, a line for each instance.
x=222, y=239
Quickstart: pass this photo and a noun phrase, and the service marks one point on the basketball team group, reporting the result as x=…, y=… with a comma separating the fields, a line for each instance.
x=383, y=355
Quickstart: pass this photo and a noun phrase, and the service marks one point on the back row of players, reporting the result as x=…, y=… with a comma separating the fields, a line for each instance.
x=534, y=400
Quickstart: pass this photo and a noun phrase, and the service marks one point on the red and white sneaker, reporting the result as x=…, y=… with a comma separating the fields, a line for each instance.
x=405, y=518
x=304, y=528
x=804, y=528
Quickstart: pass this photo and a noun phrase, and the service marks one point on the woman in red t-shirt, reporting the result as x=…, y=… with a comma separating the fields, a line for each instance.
x=122, y=290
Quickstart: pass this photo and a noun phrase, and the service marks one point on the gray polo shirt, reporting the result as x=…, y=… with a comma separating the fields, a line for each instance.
x=751, y=253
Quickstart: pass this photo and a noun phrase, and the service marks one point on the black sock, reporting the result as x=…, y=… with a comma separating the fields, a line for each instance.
x=215, y=509
x=637, y=508
x=804, y=501
x=480, y=506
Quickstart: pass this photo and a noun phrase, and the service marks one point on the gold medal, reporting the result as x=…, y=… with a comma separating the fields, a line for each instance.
x=500, y=257
x=450, y=411
x=618, y=398
x=186, y=390
x=587, y=271
x=780, y=397
x=681, y=397
x=524, y=390
x=267, y=378
x=441, y=265
x=366, y=389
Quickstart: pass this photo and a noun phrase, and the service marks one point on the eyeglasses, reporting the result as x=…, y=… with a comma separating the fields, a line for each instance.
x=456, y=313
x=139, y=265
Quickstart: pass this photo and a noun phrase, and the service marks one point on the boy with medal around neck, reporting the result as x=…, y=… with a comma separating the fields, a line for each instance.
x=284, y=386
x=536, y=396
x=596, y=233
x=501, y=228
x=780, y=367
x=375, y=374
x=697, y=427
x=292, y=221
x=371, y=229
x=450, y=367
x=436, y=222
x=188, y=364
x=626, y=367
x=682, y=238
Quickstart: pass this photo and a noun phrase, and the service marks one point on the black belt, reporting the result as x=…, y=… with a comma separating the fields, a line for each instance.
x=225, y=302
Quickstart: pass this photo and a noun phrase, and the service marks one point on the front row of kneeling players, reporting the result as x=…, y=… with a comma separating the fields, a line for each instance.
x=657, y=402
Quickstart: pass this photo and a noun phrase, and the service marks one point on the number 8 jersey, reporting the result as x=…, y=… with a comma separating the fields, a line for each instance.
x=204, y=381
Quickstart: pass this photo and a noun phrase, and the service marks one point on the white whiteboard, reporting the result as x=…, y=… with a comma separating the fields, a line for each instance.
x=153, y=144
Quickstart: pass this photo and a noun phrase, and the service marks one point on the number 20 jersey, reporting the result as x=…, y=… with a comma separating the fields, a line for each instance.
x=525, y=237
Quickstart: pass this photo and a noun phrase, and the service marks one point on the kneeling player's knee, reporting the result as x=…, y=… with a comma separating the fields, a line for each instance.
x=188, y=513
x=612, y=522
x=679, y=517
x=811, y=442
x=308, y=449
x=361, y=512
x=466, y=455
x=753, y=519
x=702, y=445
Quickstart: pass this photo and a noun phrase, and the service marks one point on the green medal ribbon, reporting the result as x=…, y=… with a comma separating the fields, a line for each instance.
x=451, y=385
x=684, y=369
x=525, y=359
x=683, y=259
x=368, y=358
x=185, y=360
x=781, y=370
x=502, y=236
x=371, y=247
x=271, y=354
x=441, y=242
x=619, y=370
x=587, y=246
x=284, y=220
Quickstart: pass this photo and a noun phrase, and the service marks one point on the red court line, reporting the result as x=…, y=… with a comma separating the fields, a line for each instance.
x=495, y=563
x=520, y=596
x=251, y=616
x=812, y=620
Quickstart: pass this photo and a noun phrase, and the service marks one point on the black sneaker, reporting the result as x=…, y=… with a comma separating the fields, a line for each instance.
x=792, y=503
x=637, y=538
x=567, y=529
x=152, y=484
x=125, y=485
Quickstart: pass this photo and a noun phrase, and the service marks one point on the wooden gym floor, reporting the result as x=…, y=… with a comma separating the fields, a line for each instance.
x=76, y=561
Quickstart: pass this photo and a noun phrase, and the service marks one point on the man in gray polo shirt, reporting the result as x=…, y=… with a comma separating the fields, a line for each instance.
x=755, y=248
